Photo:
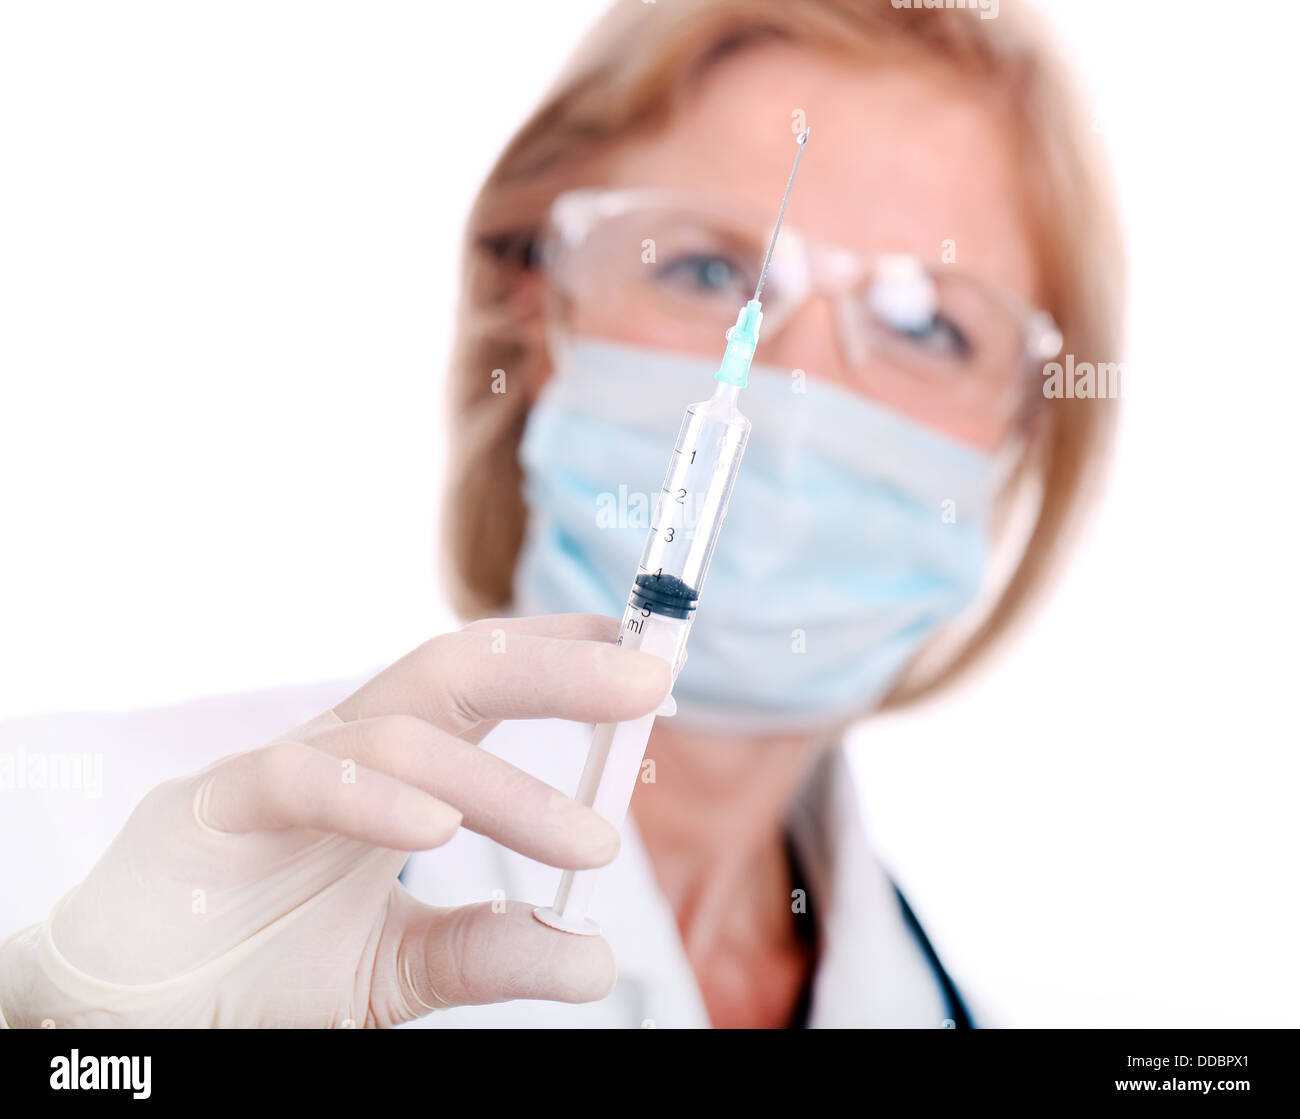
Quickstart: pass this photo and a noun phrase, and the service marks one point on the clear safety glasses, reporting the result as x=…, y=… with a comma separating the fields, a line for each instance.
x=672, y=269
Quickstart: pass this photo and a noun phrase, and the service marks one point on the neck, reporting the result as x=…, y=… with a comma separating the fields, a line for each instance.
x=713, y=822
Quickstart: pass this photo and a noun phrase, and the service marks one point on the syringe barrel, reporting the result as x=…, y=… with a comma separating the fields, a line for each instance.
x=613, y=764
x=692, y=503
x=659, y=613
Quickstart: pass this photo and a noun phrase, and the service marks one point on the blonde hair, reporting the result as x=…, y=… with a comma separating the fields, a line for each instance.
x=627, y=78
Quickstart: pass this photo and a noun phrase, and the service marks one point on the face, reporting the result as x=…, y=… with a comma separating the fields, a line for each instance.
x=901, y=161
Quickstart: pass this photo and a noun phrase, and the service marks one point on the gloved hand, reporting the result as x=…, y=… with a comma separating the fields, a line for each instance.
x=262, y=890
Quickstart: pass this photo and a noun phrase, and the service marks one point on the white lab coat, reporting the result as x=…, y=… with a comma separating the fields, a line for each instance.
x=873, y=970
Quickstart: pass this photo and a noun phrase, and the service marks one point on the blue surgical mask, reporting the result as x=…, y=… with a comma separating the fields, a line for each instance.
x=852, y=535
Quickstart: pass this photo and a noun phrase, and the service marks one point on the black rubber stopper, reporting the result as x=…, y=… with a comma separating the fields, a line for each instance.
x=666, y=595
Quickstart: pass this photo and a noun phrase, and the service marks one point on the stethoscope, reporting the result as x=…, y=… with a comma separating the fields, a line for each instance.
x=958, y=1015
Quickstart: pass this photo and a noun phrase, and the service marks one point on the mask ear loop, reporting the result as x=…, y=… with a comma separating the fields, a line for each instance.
x=555, y=331
x=1024, y=439
x=1006, y=460
x=567, y=225
x=557, y=336
x=1017, y=506
x=1017, y=495
x=1043, y=341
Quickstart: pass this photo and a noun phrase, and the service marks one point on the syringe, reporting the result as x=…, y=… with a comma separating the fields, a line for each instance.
x=666, y=589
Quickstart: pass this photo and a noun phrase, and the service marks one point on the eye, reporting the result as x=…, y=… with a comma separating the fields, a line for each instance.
x=937, y=335
x=704, y=273
x=906, y=302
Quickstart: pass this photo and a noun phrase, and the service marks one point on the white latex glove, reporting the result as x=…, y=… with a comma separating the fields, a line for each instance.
x=262, y=890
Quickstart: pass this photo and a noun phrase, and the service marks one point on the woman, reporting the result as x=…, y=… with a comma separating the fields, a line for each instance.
x=905, y=490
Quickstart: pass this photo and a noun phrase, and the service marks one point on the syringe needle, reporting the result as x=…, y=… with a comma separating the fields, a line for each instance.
x=802, y=139
x=743, y=337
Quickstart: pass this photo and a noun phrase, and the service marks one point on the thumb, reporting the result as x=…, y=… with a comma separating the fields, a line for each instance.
x=489, y=952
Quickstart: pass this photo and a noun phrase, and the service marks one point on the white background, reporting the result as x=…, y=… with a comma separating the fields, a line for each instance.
x=228, y=254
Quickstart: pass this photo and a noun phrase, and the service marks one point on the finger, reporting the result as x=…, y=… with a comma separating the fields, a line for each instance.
x=291, y=785
x=495, y=798
x=460, y=680
x=472, y=955
x=575, y=627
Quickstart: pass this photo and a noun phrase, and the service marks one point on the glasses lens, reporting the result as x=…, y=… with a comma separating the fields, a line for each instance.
x=674, y=275
x=941, y=332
